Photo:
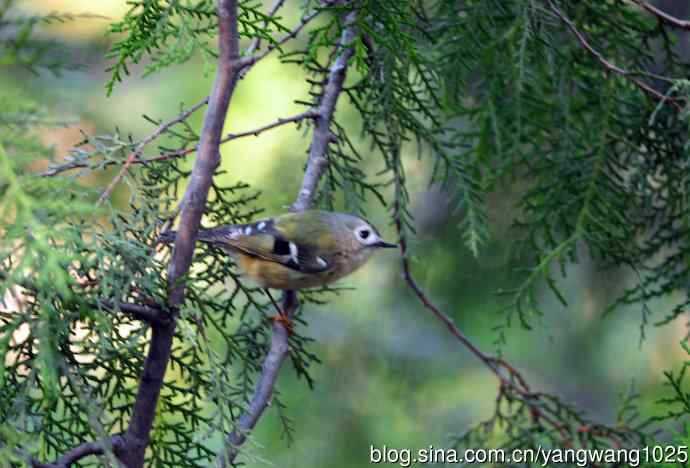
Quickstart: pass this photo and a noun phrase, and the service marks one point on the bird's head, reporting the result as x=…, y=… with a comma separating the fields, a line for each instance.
x=360, y=233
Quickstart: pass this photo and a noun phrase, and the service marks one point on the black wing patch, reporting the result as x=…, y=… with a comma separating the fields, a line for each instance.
x=308, y=260
x=299, y=257
x=281, y=247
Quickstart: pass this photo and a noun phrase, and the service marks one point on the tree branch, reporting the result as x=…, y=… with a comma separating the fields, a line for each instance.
x=147, y=314
x=256, y=43
x=137, y=435
x=322, y=134
x=144, y=313
x=277, y=353
x=278, y=350
x=140, y=147
x=249, y=61
x=609, y=66
x=244, y=65
x=112, y=443
x=310, y=114
x=663, y=16
x=133, y=158
x=511, y=381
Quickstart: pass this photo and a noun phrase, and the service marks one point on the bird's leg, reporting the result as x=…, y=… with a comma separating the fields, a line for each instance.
x=281, y=317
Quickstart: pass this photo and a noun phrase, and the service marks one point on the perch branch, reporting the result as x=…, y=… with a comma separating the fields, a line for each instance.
x=270, y=368
x=137, y=435
x=317, y=161
x=278, y=351
x=609, y=66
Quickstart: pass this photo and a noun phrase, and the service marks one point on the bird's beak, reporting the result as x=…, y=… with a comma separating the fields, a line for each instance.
x=386, y=245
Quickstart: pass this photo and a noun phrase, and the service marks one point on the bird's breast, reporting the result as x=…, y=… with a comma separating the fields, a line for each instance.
x=273, y=275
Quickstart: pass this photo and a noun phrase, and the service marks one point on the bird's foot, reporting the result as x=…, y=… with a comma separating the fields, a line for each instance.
x=285, y=321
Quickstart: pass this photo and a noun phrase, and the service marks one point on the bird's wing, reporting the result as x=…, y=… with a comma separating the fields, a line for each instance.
x=279, y=240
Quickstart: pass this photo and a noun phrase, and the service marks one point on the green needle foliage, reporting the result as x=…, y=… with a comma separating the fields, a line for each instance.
x=581, y=107
x=171, y=32
x=600, y=160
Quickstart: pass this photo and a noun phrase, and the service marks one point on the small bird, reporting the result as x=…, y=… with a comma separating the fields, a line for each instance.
x=296, y=250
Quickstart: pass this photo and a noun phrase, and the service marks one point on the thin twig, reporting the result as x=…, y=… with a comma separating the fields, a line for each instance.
x=256, y=43
x=278, y=351
x=513, y=380
x=492, y=362
x=245, y=65
x=136, y=154
x=663, y=16
x=253, y=59
x=609, y=66
x=310, y=114
x=144, y=313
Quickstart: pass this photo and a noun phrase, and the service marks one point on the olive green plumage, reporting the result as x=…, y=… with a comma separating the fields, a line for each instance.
x=297, y=250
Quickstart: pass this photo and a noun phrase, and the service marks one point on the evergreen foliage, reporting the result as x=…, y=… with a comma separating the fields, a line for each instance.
x=580, y=105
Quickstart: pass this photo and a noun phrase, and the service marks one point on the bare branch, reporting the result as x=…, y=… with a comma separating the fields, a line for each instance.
x=315, y=165
x=264, y=387
x=609, y=66
x=140, y=147
x=512, y=385
x=310, y=114
x=492, y=362
x=281, y=121
x=663, y=16
x=322, y=134
x=137, y=435
x=112, y=443
x=133, y=158
x=147, y=314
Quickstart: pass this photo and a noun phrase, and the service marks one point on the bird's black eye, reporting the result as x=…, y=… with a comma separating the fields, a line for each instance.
x=364, y=233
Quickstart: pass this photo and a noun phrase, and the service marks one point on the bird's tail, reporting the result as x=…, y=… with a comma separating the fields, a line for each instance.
x=215, y=235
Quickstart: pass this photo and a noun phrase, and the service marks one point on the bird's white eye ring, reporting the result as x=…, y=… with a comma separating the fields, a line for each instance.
x=365, y=235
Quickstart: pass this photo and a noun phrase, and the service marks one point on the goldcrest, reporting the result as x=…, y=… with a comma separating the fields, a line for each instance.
x=297, y=250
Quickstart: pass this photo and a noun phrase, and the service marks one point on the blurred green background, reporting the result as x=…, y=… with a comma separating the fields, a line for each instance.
x=391, y=374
